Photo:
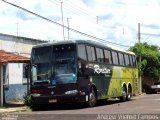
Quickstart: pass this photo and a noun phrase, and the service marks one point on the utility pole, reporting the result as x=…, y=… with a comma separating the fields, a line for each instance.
x=140, y=79
x=62, y=20
x=68, y=26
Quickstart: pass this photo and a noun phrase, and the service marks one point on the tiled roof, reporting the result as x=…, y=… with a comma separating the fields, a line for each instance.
x=7, y=57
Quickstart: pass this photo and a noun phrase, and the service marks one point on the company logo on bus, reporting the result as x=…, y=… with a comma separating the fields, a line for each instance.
x=103, y=70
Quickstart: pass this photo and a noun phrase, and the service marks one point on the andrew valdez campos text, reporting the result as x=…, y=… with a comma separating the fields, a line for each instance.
x=128, y=117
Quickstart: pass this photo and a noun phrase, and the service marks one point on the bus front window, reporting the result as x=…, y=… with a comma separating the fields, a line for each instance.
x=41, y=65
x=54, y=64
x=65, y=64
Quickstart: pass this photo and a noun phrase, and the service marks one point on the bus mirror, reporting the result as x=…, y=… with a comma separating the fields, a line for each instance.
x=26, y=71
x=86, y=66
x=79, y=65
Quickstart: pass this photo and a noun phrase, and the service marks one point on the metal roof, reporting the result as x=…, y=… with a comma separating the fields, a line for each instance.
x=7, y=57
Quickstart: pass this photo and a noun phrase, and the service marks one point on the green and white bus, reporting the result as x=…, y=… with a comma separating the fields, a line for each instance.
x=81, y=71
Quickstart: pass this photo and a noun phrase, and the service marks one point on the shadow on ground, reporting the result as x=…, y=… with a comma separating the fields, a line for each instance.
x=74, y=106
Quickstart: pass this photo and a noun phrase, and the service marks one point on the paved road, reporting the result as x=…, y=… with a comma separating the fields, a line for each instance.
x=144, y=104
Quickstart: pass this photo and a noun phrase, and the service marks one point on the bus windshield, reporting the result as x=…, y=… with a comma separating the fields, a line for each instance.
x=41, y=64
x=54, y=65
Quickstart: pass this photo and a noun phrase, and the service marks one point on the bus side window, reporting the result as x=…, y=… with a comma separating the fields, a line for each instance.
x=100, y=55
x=131, y=61
x=93, y=54
x=126, y=59
x=121, y=59
x=107, y=54
x=134, y=61
x=115, y=57
x=82, y=52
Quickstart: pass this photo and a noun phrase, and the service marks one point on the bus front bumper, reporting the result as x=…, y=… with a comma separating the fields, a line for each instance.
x=44, y=99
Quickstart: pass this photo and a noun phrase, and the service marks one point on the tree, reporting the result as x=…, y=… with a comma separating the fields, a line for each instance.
x=150, y=59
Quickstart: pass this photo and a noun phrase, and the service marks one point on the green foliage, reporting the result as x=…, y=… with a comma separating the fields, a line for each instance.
x=150, y=59
x=27, y=99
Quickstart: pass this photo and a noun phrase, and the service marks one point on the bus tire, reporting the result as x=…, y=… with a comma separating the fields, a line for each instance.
x=123, y=98
x=35, y=107
x=129, y=94
x=92, y=101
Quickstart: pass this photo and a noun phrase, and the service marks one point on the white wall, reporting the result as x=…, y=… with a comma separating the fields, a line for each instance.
x=7, y=45
x=15, y=73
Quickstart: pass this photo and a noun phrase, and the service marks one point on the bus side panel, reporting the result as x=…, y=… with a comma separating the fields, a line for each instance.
x=100, y=76
x=115, y=88
x=121, y=76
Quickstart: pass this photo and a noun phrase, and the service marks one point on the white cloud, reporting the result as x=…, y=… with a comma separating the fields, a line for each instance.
x=118, y=20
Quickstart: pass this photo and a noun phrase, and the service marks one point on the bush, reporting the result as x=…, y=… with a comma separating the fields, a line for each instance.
x=27, y=99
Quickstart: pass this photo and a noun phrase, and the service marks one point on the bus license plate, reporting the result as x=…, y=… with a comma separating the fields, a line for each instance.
x=52, y=101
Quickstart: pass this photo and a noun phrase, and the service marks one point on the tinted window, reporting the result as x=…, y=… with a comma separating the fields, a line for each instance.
x=134, y=60
x=126, y=59
x=89, y=54
x=100, y=56
x=107, y=54
x=131, y=61
x=41, y=64
x=121, y=58
x=93, y=54
x=82, y=52
x=115, y=57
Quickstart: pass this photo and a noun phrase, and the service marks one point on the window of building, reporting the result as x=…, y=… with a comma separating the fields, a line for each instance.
x=107, y=54
x=82, y=52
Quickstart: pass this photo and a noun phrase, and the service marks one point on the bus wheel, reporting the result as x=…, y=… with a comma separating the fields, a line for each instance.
x=129, y=95
x=92, y=98
x=34, y=107
x=124, y=95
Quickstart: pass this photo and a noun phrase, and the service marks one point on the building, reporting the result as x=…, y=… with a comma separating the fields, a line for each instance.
x=13, y=75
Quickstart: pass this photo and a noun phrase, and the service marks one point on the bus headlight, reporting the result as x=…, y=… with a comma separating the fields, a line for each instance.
x=71, y=92
x=36, y=95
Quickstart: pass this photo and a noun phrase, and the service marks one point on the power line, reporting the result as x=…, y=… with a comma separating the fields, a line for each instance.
x=75, y=6
x=78, y=10
x=74, y=10
x=73, y=30
x=150, y=34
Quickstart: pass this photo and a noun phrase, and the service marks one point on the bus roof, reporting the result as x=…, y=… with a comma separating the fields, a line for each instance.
x=87, y=42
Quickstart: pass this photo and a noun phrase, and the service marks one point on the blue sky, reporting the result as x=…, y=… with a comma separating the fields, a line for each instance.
x=117, y=19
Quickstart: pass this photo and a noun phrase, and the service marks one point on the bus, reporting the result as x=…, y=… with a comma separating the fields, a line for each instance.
x=81, y=71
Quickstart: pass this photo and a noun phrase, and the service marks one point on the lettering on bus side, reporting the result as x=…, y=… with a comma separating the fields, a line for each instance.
x=103, y=70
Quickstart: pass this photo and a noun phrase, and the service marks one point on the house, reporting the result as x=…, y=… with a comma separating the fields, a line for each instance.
x=13, y=67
